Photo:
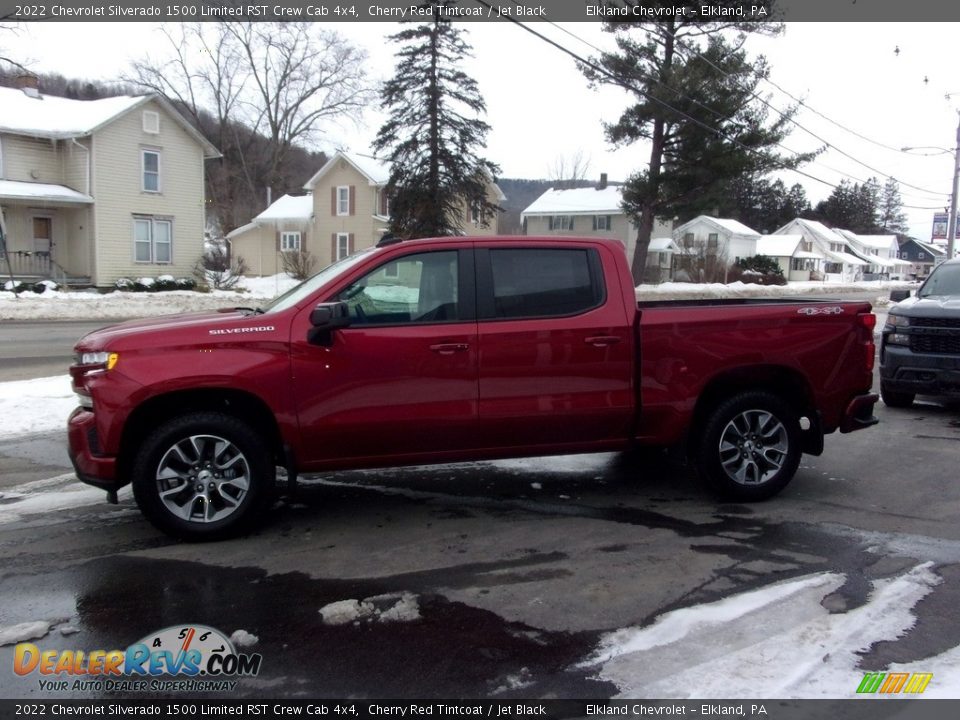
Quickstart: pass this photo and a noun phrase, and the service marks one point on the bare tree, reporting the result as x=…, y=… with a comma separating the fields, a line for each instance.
x=569, y=171
x=298, y=264
x=7, y=28
x=257, y=90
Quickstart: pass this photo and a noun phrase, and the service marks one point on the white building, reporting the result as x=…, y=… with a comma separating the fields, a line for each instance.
x=841, y=264
x=795, y=256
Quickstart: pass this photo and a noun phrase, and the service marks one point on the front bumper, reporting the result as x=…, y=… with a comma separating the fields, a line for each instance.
x=902, y=370
x=89, y=462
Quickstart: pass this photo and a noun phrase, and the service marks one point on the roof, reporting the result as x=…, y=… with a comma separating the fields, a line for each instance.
x=778, y=245
x=845, y=258
x=370, y=167
x=58, y=118
x=874, y=242
x=242, y=229
x=17, y=190
x=729, y=226
x=289, y=207
x=578, y=201
x=814, y=228
x=929, y=247
x=664, y=245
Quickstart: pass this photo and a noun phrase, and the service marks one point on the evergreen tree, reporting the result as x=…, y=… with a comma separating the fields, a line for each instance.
x=433, y=135
x=890, y=215
x=852, y=206
x=695, y=101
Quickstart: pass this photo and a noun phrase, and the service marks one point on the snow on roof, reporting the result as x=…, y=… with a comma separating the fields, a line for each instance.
x=370, y=167
x=734, y=226
x=289, y=207
x=879, y=242
x=17, y=190
x=57, y=117
x=845, y=258
x=666, y=245
x=778, y=245
x=578, y=201
x=815, y=228
x=240, y=230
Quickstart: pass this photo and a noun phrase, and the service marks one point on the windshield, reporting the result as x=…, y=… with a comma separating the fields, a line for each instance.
x=944, y=280
x=310, y=285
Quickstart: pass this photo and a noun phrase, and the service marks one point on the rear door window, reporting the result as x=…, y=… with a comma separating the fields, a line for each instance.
x=542, y=282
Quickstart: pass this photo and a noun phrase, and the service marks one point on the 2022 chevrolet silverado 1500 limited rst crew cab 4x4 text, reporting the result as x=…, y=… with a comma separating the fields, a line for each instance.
x=458, y=349
x=920, y=349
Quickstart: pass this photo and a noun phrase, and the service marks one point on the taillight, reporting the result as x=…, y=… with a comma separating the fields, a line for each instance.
x=868, y=321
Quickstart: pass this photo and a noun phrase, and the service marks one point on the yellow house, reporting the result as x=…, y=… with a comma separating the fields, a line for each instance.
x=95, y=190
x=345, y=210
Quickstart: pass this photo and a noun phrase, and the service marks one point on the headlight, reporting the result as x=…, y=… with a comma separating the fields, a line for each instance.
x=894, y=324
x=898, y=321
x=105, y=359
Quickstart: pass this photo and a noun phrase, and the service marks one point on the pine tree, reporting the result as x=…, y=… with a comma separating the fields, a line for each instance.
x=890, y=215
x=433, y=135
x=695, y=101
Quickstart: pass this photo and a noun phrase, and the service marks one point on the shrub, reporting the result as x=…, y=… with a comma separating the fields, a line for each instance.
x=758, y=270
x=15, y=286
x=163, y=283
x=298, y=264
x=124, y=284
x=185, y=283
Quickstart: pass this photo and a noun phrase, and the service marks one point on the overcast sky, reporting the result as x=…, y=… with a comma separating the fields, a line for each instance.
x=540, y=107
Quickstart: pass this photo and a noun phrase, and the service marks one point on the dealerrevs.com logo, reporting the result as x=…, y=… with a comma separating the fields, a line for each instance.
x=183, y=657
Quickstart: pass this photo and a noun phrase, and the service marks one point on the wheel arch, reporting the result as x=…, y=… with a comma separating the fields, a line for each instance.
x=784, y=382
x=158, y=409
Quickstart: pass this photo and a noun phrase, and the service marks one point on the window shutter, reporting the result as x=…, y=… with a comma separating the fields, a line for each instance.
x=333, y=201
x=278, y=241
x=550, y=223
x=350, y=248
x=594, y=222
x=353, y=199
x=383, y=202
x=333, y=247
x=571, y=222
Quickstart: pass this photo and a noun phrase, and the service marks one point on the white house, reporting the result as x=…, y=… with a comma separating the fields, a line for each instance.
x=881, y=253
x=591, y=211
x=793, y=254
x=841, y=264
x=722, y=237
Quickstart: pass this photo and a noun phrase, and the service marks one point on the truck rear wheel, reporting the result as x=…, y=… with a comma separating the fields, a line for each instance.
x=750, y=447
x=203, y=476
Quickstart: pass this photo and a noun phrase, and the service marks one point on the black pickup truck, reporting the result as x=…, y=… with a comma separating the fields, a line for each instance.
x=920, y=351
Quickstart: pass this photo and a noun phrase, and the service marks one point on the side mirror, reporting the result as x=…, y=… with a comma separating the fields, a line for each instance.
x=898, y=295
x=325, y=318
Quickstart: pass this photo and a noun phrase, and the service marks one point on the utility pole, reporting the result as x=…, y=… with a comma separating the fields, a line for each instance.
x=952, y=220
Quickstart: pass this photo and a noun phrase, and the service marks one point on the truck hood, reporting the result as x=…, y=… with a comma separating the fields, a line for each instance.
x=172, y=328
x=937, y=306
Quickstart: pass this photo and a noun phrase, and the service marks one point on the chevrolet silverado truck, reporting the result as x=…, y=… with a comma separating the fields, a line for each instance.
x=920, y=347
x=459, y=349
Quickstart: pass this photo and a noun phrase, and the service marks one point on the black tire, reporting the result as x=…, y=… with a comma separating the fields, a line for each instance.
x=749, y=447
x=895, y=399
x=203, y=476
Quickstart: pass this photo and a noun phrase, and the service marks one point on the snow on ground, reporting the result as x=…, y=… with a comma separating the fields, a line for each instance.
x=21, y=632
x=241, y=639
x=393, y=607
x=81, y=305
x=777, y=641
x=41, y=497
x=34, y=406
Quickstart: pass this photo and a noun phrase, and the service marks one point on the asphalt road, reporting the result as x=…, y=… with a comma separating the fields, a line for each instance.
x=30, y=349
x=515, y=570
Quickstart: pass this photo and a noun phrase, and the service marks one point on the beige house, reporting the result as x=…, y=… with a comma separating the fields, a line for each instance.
x=95, y=190
x=345, y=210
x=587, y=212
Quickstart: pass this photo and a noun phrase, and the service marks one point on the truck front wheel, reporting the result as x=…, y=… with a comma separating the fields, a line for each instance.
x=750, y=447
x=203, y=476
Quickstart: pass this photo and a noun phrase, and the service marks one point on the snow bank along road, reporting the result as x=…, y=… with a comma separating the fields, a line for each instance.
x=592, y=576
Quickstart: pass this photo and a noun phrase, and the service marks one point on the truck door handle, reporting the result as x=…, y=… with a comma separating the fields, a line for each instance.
x=602, y=340
x=449, y=348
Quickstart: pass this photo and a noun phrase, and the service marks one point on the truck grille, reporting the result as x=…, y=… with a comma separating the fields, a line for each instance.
x=953, y=323
x=939, y=343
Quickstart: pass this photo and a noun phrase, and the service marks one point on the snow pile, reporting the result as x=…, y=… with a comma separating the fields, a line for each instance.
x=392, y=607
x=21, y=632
x=707, y=291
x=242, y=639
x=776, y=641
x=42, y=497
x=33, y=406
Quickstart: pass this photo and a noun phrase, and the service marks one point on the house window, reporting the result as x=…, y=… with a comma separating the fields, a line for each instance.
x=920, y=255
x=688, y=240
x=833, y=268
x=713, y=239
x=290, y=241
x=602, y=222
x=151, y=122
x=151, y=170
x=152, y=240
x=343, y=245
x=561, y=222
x=476, y=212
x=343, y=200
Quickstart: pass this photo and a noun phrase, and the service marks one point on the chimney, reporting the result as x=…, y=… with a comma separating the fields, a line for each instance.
x=602, y=185
x=29, y=83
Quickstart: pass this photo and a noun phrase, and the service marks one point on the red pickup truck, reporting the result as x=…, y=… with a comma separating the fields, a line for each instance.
x=456, y=349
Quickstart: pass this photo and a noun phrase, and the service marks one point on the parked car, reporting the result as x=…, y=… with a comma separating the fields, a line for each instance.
x=920, y=349
x=459, y=349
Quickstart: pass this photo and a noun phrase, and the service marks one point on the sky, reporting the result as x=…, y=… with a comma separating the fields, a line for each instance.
x=541, y=109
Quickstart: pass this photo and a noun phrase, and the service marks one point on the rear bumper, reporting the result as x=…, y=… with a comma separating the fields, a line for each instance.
x=859, y=413
x=91, y=466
